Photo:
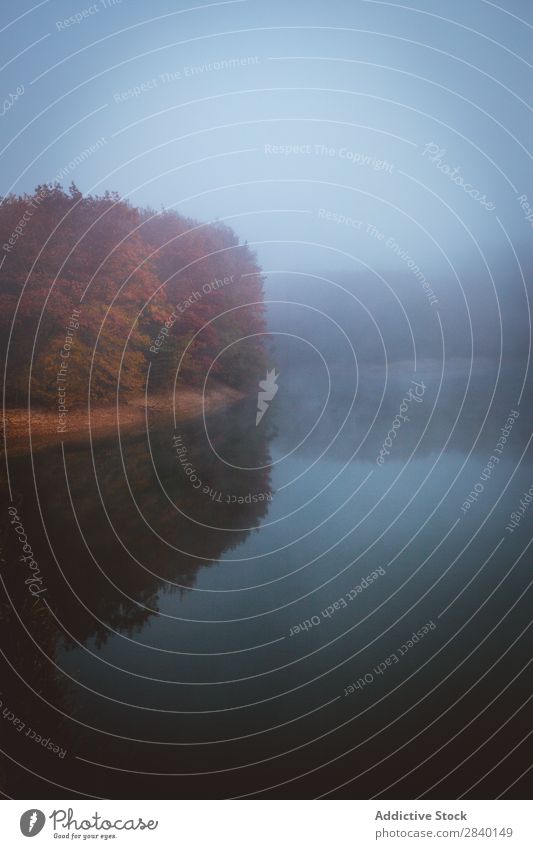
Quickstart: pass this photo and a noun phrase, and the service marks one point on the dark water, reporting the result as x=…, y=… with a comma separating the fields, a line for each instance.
x=164, y=658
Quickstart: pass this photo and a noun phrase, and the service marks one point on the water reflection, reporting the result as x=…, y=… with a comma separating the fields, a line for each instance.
x=163, y=658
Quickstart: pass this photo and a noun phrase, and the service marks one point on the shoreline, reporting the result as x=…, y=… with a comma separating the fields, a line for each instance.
x=45, y=424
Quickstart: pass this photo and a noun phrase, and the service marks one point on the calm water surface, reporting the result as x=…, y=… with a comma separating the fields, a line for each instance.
x=199, y=634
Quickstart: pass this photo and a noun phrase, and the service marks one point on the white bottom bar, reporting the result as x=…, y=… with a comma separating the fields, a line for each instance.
x=267, y=824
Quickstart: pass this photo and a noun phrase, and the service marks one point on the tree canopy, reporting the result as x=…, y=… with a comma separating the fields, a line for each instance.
x=103, y=293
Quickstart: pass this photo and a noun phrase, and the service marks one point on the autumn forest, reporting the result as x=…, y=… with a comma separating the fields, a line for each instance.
x=107, y=297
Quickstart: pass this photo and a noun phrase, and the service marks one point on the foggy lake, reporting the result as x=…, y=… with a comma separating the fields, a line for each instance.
x=242, y=605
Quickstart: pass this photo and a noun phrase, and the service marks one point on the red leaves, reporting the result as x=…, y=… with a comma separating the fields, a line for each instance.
x=128, y=271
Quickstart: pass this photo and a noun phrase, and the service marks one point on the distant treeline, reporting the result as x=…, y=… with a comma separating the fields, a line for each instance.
x=386, y=314
x=96, y=293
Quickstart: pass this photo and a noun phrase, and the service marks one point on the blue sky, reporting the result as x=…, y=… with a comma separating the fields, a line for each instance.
x=286, y=118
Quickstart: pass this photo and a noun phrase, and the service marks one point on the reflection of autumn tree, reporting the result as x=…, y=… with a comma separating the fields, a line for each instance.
x=118, y=261
x=176, y=521
x=81, y=595
x=35, y=680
